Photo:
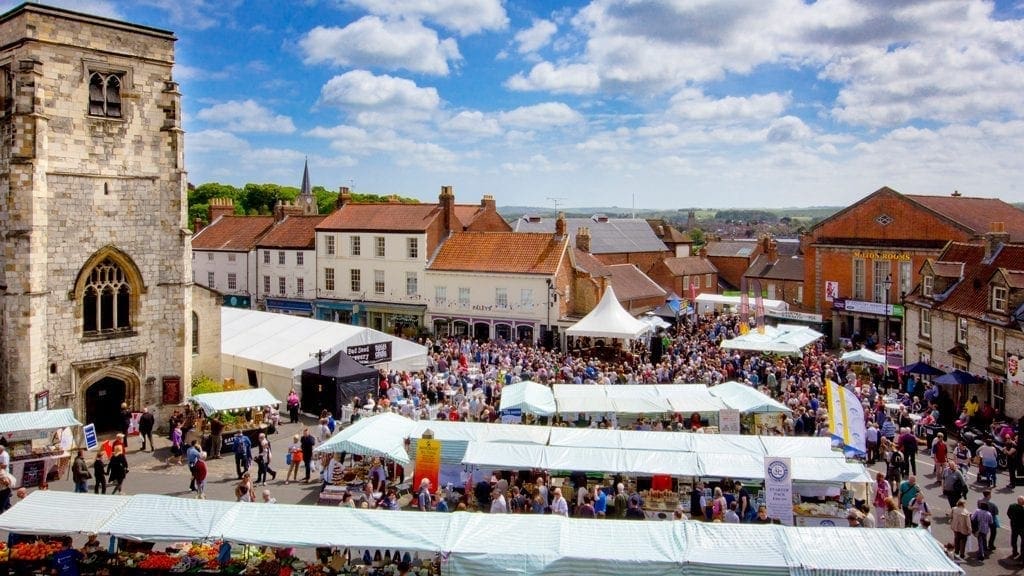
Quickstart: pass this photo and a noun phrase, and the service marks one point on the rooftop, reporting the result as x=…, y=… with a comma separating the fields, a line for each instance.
x=232, y=233
x=500, y=252
x=292, y=232
x=607, y=235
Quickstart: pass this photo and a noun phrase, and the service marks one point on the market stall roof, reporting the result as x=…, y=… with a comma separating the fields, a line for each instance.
x=812, y=552
x=721, y=299
x=51, y=512
x=341, y=365
x=863, y=355
x=747, y=399
x=152, y=518
x=313, y=526
x=635, y=398
x=379, y=435
x=609, y=320
x=214, y=402
x=268, y=340
x=787, y=339
x=448, y=431
x=37, y=420
x=763, y=552
x=529, y=397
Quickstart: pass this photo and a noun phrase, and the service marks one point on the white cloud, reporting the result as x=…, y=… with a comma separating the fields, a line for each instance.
x=473, y=122
x=787, y=129
x=537, y=36
x=371, y=42
x=463, y=16
x=206, y=141
x=570, y=78
x=195, y=14
x=375, y=99
x=692, y=104
x=246, y=116
x=546, y=115
x=105, y=8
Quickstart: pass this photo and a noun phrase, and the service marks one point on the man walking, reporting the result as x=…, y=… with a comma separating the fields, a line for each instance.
x=986, y=498
x=192, y=454
x=242, y=448
x=908, y=445
x=1015, y=512
x=908, y=492
x=307, y=442
x=80, y=473
x=146, y=423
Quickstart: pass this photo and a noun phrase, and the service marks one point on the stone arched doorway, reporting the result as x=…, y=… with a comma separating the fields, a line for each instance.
x=102, y=392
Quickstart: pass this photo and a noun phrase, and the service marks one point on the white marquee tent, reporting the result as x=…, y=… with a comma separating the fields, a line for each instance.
x=608, y=320
x=863, y=355
x=278, y=347
x=529, y=397
x=747, y=399
x=708, y=302
x=214, y=402
x=635, y=398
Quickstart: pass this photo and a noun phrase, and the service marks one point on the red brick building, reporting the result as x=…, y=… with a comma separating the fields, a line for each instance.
x=888, y=235
x=731, y=258
x=687, y=277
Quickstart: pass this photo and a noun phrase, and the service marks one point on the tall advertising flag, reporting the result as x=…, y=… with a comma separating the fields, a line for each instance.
x=744, y=310
x=759, y=308
x=846, y=419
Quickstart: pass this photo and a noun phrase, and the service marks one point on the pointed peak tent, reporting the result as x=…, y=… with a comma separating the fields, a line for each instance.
x=608, y=319
x=863, y=356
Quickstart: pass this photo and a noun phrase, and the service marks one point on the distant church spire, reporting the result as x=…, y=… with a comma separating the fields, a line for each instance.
x=306, y=199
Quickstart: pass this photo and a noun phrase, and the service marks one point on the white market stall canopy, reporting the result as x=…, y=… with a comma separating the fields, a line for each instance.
x=786, y=339
x=747, y=399
x=234, y=400
x=558, y=546
x=39, y=420
x=711, y=300
x=863, y=355
x=608, y=320
x=269, y=341
x=635, y=398
x=758, y=446
x=530, y=397
x=379, y=435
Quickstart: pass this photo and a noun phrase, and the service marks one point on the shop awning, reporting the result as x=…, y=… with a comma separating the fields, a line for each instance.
x=37, y=420
x=214, y=402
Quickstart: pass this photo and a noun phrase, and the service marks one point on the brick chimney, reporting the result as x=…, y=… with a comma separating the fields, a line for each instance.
x=772, y=253
x=560, y=224
x=446, y=200
x=344, y=197
x=197, y=225
x=220, y=207
x=703, y=252
x=995, y=237
x=284, y=209
x=488, y=204
x=583, y=239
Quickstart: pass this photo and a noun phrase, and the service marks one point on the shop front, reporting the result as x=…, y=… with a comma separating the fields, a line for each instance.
x=485, y=329
x=402, y=320
x=289, y=306
x=342, y=311
x=861, y=323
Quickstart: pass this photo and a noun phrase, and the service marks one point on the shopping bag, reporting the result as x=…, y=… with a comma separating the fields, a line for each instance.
x=972, y=545
x=288, y=459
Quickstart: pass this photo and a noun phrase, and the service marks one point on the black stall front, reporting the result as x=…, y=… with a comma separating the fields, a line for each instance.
x=334, y=382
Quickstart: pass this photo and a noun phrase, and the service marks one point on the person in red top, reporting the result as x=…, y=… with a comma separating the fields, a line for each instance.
x=939, y=452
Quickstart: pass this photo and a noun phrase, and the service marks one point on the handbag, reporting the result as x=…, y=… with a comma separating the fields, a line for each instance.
x=288, y=459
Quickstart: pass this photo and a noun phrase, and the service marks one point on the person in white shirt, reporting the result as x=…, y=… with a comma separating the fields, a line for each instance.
x=5, y=458
x=498, y=503
x=558, y=504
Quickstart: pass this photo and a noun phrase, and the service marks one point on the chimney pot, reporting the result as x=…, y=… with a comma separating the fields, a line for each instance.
x=560, y=224
x=583, y=239
x=220, y=207
x=447, y=202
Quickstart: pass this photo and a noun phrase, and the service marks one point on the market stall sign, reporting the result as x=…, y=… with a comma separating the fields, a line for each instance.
x=91, y=441
x=894, y=310
x=369, y=354
x=428, y=462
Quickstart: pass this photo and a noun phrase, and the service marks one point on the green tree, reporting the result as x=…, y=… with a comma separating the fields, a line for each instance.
x=261, y=198
x=697, y=236
x=325, y=199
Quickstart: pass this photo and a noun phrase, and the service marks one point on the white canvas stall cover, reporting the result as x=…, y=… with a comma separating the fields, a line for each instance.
x=234, y=399
x=312, y=526
x=494, y=544
x=792, y=446
x=445, y=430
x=278, y=342
x=37, y=420
x=50, y=512
x=820, y=470
x=151, y=518
x=609, y=320
x=378, y=435
x=812, y=551
x=720, y=299
x=753, y=550
x=863, y=355
x=529, y=397
x=782, y=339
x=747, y=399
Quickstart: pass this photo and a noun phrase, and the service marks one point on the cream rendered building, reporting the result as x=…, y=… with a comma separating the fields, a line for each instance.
x=96, y=274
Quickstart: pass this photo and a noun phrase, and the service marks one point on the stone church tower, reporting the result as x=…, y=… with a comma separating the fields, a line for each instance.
x=95, y=272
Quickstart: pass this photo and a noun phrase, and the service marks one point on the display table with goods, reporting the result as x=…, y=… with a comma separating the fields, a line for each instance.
x=39, y=444
x=225, y=413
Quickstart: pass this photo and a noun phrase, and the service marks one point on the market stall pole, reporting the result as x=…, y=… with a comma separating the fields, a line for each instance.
x=224, y=413
x=39, y=444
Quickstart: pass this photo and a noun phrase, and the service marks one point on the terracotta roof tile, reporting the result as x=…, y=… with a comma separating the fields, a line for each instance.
x=689, y=265
x=969, y=297
x=500, y=252
x=630, y=283
x=589, y=263
x=976, y=214
x=948, y=269
x=385, y=216
x=232, y=233
x=1015, y=278
x=292, y=232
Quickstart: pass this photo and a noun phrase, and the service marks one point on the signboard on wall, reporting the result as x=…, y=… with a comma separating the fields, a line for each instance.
x=1014, y=375
x=831, y=290
x=864, y=307
x=729, y=421
x=91, y=441
x=369, y=354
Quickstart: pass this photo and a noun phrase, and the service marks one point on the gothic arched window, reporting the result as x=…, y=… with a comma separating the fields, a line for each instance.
x=105, y=95
x=106, y=300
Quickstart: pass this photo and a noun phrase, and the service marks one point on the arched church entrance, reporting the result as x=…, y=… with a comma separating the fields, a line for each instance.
x=103, y=404
x=101, y=393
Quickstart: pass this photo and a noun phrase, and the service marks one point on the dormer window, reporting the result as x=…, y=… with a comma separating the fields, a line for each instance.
x=961, y=331
x=928, y=285
x=998, y=303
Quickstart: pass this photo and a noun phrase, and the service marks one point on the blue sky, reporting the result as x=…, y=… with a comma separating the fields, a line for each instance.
x=668, y=104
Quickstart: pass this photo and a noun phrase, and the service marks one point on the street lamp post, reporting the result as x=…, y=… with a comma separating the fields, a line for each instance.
x=886, y=286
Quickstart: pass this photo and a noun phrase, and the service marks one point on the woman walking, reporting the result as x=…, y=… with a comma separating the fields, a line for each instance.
x=118, y=469
x=960, y=524
x=263, y=458
x=295, y=451
x=176, y=450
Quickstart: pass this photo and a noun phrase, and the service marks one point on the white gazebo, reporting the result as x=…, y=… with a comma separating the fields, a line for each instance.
x=786, y=339
x=609, y=320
